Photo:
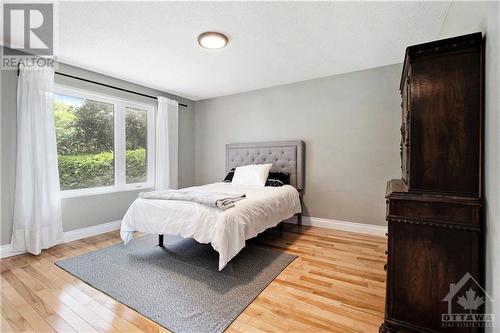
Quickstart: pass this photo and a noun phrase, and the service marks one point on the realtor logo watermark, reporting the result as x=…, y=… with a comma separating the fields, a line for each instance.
x=28, y=34
x=467, y=302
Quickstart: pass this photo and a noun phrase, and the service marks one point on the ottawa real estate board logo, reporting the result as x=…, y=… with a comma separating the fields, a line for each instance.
x=467, y=302
x=28, y=34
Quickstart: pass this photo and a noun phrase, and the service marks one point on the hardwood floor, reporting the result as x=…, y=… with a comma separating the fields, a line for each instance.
x=336, y=285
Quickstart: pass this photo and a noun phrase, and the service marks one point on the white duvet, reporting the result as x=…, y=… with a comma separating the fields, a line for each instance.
x=227, y=231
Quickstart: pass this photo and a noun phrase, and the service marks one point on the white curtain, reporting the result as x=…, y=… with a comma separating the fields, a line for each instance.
x=37, y=205
x=167, y=145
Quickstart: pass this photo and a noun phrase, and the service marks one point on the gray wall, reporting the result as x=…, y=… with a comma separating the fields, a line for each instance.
x=350, y=124
x=79, y=212
x=466, y=17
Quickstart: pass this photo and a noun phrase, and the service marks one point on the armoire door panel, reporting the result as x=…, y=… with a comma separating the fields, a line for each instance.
x=445, y=122
x=428, y=260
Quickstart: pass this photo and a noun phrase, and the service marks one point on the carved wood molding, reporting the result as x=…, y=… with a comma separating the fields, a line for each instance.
x=434, y=224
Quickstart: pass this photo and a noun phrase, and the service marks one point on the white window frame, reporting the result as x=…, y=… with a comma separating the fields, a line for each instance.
x=119, y=112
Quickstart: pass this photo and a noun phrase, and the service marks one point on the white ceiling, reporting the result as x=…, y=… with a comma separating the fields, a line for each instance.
x=154, y=43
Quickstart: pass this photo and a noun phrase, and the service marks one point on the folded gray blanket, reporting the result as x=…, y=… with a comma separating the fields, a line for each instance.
x=211, y=199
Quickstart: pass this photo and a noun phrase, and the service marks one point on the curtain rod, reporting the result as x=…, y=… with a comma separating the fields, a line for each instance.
x=113, y=87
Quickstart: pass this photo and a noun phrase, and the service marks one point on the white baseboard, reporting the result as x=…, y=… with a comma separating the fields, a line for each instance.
x=91, y=231
x=6, y=251
x=361, y=228
x=69, y=236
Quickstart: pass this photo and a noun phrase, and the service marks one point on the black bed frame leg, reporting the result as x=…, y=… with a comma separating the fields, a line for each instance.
x=299, y=215
x=160, y=240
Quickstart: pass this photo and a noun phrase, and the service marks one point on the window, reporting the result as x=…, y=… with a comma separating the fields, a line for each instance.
x=136, y=139
x=104, y=144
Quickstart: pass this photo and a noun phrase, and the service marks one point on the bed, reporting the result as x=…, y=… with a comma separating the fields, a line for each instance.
x=227, y=230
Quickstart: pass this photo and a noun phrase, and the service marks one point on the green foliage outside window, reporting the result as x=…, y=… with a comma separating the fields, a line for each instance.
x=87, y=129
x=92, y=170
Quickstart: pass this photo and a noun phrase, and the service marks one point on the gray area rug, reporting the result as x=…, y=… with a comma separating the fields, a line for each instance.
x=179, y=287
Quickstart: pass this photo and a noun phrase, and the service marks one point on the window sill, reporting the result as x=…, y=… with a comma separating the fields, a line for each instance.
x=103, y=190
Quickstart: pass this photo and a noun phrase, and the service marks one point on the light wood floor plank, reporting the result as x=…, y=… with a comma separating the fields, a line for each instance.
x=72, y=318
x=4, y=324
x=10, y=295
x=336, y=285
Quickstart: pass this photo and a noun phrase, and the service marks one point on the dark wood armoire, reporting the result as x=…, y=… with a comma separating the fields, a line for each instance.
x=434, y=210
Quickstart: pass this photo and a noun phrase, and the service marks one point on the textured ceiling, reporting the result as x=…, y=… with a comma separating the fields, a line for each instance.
x=271, y=43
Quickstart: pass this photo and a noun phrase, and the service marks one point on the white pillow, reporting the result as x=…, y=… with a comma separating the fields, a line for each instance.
x=255, y=174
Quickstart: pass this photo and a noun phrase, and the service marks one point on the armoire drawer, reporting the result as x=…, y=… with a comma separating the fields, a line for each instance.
x=462, y=214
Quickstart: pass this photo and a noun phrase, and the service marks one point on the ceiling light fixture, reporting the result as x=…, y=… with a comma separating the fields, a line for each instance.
x=212, y=40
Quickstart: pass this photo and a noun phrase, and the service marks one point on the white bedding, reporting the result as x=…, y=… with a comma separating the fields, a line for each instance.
x=263, y=207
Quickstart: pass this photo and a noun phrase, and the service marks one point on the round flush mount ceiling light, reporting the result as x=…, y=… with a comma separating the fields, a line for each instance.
x=212, y=40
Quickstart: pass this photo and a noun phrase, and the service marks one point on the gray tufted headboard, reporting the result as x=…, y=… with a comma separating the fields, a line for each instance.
x=286, y=156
